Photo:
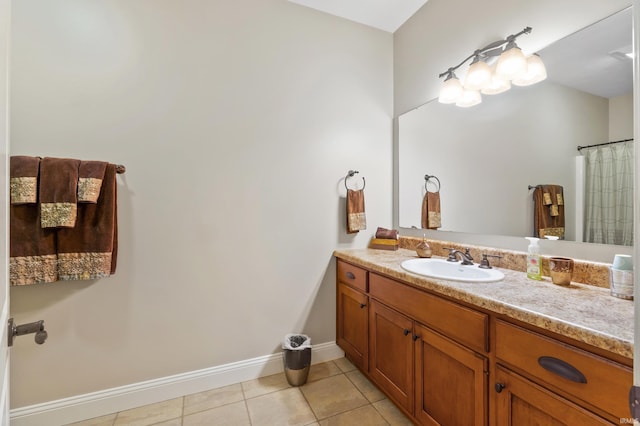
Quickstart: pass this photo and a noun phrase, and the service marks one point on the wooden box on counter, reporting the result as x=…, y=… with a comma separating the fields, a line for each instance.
x=384, y=244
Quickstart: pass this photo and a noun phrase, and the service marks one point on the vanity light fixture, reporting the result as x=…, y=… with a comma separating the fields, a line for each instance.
x=490, y=77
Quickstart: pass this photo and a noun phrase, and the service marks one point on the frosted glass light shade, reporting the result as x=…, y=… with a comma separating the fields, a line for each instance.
x=497, y=84
x=511, y=63
x=478, y=76
x=469, y=98
x=451, y=91
x=536, y=72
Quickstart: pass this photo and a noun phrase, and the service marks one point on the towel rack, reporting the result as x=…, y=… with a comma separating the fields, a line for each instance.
x=120, y=169
x=427, y=178
x=350, y=174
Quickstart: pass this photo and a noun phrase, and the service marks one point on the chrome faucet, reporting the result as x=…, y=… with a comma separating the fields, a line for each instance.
x=464, y=257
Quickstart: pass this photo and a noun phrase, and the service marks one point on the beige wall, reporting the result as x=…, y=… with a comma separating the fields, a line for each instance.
x=236, y=121
x=621, y=117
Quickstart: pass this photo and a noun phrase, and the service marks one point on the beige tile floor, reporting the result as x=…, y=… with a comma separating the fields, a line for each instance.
x=335, y=394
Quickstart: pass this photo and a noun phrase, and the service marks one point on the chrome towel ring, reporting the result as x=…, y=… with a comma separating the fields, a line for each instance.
x=350, y=174
x=427, y=178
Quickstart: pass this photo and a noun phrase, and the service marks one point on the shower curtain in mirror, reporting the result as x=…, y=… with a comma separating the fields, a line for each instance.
x=609, y=194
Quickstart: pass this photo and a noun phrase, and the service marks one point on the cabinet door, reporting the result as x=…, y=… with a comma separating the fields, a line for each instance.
x=520, y=402
x=451, y=382
x=352, y=325
x=391, y=353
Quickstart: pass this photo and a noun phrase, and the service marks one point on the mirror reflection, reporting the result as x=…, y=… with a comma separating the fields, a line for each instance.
x=489, y=158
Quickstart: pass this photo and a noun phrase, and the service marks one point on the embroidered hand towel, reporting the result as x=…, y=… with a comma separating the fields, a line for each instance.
x=32, y=249
x=356, y=219
x=90, y=176
x=431, y=210
x=89, y=250
x=24, y=179
x=58, y=192
x=548, y=215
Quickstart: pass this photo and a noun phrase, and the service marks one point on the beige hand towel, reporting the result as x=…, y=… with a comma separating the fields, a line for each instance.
x=356, y=219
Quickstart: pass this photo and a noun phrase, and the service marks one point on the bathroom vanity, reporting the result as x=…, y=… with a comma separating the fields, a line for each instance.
x=511, y=352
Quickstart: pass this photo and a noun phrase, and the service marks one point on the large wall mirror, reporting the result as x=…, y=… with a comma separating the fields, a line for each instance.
x=486, y=157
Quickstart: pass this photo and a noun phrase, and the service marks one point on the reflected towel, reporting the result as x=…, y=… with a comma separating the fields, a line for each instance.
x=548, y=213
x=32, y=249
x=89, y=250
x=431, y=210
x=58, y=192
x=356, y=219
x=24, y=179
x=90, y=176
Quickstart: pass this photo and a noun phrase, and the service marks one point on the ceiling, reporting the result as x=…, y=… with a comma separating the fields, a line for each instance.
x=387, y=15
x=579, y=60
x=592, y=60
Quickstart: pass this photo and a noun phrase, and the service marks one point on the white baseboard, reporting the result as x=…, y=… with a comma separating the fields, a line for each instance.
x=95, y=404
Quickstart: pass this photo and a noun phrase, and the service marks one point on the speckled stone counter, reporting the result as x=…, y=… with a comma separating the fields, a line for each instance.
x=582, y=312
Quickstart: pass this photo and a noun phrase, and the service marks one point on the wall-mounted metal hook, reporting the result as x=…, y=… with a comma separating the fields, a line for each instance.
x=350, y=174
x=32, y=327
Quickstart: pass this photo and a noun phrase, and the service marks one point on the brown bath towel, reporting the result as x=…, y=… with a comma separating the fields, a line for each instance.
x=32, y=249
x=356, y=219
x=90, y=176
x=431, y=210
x=89, y=250
x=24, y=179
x=548, y=213
x=388, y=234
x=58, y=192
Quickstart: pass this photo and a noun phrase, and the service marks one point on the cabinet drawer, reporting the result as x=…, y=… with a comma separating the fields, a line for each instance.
x=352, y=275
x=457, y=322
x=590, y=378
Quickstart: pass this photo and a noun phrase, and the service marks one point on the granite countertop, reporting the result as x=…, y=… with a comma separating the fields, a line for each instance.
x=585, y=313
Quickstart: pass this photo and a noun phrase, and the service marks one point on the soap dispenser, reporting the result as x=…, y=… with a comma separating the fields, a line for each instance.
x=534, y=264
x=423, y=249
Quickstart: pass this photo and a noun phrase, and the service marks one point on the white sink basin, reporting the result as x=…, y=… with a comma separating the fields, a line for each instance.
x=454, y=271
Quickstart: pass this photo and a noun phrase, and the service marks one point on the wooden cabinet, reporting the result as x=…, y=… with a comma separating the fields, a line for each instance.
x=353, y=325
x=352, y=322
x=434, y=378
x=521, y=402
x=391, y=353
x=595, y=382
x=451, y=381
x=432, y=357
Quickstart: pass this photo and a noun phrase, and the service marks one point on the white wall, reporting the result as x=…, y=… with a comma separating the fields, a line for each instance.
x=442, y=33
x=237, y=121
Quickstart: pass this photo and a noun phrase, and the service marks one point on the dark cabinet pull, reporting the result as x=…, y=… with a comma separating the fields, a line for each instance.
x=415, y=337
x=362, y=305
x=562, y=369
x=499, y=387
x=351, y=276
x=406, y=332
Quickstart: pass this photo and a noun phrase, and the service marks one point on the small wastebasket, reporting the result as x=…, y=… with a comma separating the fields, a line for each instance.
x=297, y=358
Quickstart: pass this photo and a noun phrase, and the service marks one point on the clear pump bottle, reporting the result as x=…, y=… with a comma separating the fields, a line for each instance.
x=534, y=264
